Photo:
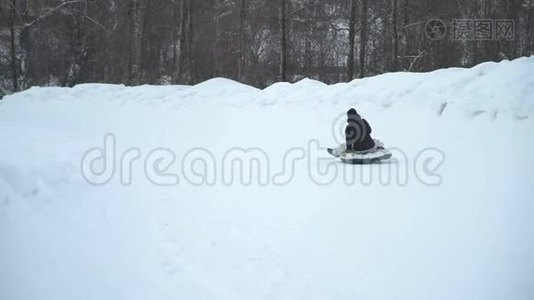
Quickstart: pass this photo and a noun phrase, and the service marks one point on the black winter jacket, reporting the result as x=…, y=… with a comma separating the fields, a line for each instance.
x=358, y=134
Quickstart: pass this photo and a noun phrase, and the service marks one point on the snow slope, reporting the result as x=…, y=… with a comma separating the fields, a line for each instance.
x=454, y=222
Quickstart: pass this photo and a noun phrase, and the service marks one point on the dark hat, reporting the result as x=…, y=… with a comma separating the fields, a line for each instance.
x=352, y=112
x=353, y=116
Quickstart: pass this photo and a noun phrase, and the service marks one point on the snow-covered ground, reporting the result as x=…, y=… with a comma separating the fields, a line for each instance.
x=449, y=218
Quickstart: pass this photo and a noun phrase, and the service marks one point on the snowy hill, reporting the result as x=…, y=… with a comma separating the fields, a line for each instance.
x=449, y=218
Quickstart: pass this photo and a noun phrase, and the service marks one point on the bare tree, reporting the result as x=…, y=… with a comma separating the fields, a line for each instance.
x=177, y=7
x=66, y=42
x=528, y=5
x=363, y=37
x=21, y=31
x=184, y=16
x=138, y=10
x=189, y=43
x=352, y=34
x=13, y=44
x=395, y=37
x=242, y=40
x=283, y=41
x=78, y=44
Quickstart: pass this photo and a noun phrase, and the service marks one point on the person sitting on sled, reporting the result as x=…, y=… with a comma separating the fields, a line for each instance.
x=359, y=146
x=358, y=133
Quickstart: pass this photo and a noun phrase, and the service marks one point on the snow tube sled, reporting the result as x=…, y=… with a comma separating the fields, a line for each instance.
x=377, y=154
x=367, y=158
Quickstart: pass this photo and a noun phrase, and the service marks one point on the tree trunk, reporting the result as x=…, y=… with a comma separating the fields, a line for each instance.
x=137, y=41
x=311, y=18
x=528, y=34
x=175, y=36
x=395, y=41
x=352, y=34
x=283, y=41
x=13, y=44
x=242, y=42
x=189, y=43
x=406, y=41
x=363, y=37
x=22, y=57
x=22, y=34
x=183, y=37
x=78, y=47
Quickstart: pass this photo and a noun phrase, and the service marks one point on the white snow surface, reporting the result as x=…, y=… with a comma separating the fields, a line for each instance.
x=468, y=234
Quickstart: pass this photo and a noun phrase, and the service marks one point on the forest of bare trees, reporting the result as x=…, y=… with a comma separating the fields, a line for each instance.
x=258, y=42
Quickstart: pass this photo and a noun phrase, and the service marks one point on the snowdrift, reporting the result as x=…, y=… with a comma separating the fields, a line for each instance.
x=492, y=88
x=462, y=229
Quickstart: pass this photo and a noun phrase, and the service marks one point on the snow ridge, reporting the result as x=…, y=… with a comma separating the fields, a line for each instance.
x=503, y=88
